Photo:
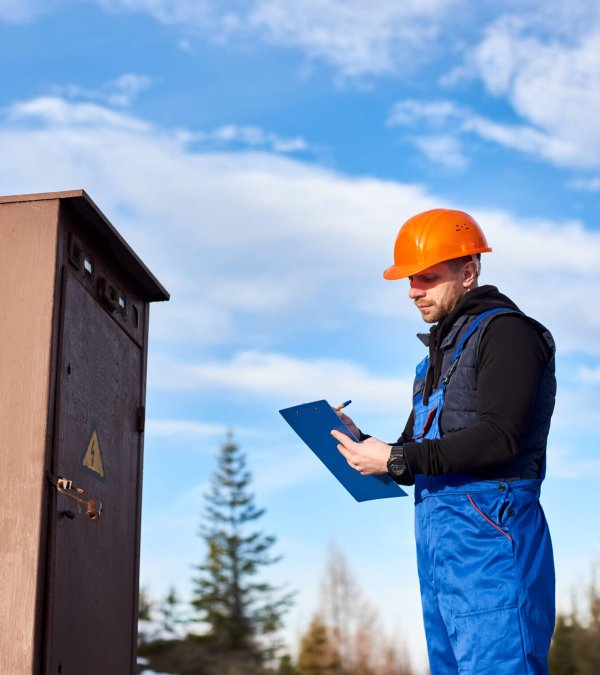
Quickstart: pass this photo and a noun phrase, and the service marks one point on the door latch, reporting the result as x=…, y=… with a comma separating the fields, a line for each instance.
x=93, y=507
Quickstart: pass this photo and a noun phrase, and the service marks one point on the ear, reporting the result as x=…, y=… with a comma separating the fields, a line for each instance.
x=470, y=272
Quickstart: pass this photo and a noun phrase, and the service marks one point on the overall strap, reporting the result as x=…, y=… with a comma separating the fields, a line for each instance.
x=472, y=328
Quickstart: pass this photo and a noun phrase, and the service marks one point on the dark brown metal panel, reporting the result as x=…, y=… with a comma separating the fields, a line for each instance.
x=110, y=283
x=93, y=565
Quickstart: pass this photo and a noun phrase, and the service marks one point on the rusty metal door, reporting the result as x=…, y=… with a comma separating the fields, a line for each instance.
x=92, y=566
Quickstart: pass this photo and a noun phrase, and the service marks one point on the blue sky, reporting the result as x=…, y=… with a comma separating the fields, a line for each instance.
x=260, y=159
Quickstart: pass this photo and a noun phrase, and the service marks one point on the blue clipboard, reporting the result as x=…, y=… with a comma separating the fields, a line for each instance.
x=313, y=422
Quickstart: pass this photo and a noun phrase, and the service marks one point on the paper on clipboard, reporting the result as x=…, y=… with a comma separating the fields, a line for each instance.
x=313, y=422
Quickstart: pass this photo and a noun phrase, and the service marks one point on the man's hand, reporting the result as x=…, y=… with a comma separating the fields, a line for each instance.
x=368, y=458
x=349, y=422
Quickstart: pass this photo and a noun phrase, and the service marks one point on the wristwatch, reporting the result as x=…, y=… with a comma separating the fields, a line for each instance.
x=397, y=464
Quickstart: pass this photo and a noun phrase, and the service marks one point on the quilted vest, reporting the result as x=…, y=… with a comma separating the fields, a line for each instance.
x=460, y=404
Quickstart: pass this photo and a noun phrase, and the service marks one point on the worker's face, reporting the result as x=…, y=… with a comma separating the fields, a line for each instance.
x=436, y=291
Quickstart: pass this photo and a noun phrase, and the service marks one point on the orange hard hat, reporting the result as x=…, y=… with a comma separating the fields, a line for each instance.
x=432, y=237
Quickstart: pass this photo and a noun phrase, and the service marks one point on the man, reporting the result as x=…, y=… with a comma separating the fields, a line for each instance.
x=474, y=447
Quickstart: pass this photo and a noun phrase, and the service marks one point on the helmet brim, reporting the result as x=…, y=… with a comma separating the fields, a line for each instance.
x=402, y=271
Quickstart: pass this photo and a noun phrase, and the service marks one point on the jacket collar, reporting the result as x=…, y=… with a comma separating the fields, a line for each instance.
x=450, y=337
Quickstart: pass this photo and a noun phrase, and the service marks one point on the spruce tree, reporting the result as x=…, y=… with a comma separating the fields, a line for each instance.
x=170, y=612
x=144, y=605
x=318, y=656
x=238, y=606
x=562, y=659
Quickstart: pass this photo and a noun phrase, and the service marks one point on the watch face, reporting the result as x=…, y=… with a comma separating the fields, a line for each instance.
x=396, y=465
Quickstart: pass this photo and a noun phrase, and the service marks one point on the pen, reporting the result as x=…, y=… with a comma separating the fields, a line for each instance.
x=344, y=404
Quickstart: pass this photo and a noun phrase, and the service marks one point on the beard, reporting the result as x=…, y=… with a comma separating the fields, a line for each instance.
x=435, y=314
x=438, y=311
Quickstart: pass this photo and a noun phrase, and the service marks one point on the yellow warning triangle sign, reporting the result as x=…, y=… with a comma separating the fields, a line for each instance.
x=93, y=458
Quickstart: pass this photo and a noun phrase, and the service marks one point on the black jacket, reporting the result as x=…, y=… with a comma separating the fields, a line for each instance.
x=512, y=358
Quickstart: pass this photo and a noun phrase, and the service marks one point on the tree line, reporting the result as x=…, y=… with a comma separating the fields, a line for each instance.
x=576, y=641
x=233, y=622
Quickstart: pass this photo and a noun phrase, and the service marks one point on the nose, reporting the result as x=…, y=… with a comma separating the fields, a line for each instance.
x=414, y=291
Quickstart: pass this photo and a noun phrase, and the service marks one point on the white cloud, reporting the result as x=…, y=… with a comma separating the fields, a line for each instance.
x=551, y=78
x=177, y=430
x=436, y=113
x=119, y=92
x=436, y=128
x=517, y=50
x=388, y=38
x=442, y=149
x=522, y=138
x=544, y=61
x=21, y=11
x=15, y=11
x=250, y=136
x=585, y=184
x=551, y=270
x=59, y=113
x=450, y=124
x=234, y=235
x=276, y=375
x=247, y=242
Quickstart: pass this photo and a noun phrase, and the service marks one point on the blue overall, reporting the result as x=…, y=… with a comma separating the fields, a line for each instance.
x=485, y=560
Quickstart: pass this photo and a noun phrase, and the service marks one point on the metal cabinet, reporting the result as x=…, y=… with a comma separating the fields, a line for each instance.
x=73, y=348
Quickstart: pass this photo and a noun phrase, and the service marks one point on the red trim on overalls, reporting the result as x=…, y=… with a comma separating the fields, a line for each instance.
x=491, y=522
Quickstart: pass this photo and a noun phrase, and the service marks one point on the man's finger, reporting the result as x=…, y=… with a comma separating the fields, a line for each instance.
x=348, y=456
x=343, y=445
x=344, y=451
x=344, y=439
